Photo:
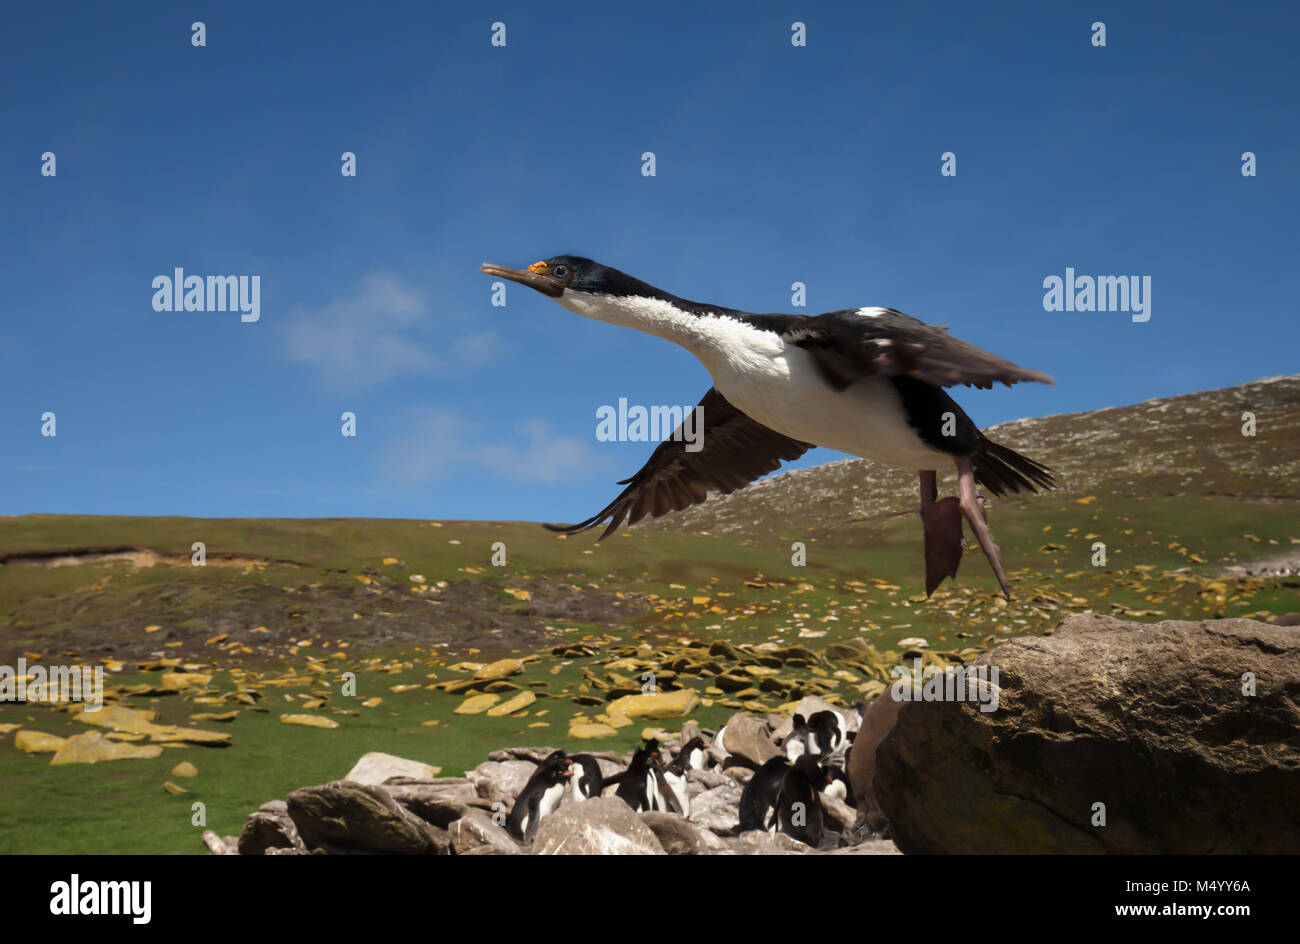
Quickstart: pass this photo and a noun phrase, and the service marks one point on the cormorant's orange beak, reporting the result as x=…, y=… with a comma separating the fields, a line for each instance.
x=536, y=276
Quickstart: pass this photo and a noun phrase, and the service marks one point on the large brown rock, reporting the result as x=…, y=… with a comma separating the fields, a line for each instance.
x=1149, y=720
x=440, y=801
x=501, y=781
x=361, y=817
x=599, y=826
x=748, y=737
x=877, y=721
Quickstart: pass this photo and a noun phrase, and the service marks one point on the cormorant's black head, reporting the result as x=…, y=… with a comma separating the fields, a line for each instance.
x=551, y=276
x=558, y=274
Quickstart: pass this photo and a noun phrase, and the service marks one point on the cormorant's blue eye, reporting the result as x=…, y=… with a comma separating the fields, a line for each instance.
x=560, y=271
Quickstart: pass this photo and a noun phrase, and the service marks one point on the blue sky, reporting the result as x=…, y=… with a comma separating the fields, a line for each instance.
x=775, y=164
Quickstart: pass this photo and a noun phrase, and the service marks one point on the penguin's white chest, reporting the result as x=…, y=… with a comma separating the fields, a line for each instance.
x=779, y=385
x=550, y=801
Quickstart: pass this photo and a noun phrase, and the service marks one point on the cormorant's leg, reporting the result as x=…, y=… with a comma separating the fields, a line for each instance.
x=942, y=522
x=972, y=506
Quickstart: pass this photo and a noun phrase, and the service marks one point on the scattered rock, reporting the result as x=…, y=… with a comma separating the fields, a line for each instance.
x=92, y=747
x=589, y=730
x=185, y=769
x=500, y=669
x=476, y=704
x=37, y=742
x=182, y=681
x=509, y=707
x=672, y=704
x=141, y=721
x=311, y=721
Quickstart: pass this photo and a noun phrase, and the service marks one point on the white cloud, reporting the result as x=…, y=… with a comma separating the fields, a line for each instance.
x=369, y=336
x=437, y=441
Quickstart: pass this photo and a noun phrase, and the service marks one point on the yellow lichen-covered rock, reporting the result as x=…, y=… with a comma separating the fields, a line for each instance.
x=311, y=721
x=92, y=747
x=181, y=681
x=660, y=705
x=614, y=719
x=185, y=769
x=141, y=721
x=37, y=742
x=372, y=702
x=518, y=703
x=171, y=732
x=173, y=789
x=500, y=669
x=117, y=717
x=476, y=704
x=587, y=730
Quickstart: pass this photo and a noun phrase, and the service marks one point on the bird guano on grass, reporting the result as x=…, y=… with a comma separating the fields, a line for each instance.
x=867, y=381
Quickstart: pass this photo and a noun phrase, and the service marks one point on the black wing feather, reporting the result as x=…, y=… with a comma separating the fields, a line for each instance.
x=735, y=451
x=850, y=345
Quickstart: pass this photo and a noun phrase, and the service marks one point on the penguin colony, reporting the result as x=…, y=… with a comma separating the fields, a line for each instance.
x=783, y=795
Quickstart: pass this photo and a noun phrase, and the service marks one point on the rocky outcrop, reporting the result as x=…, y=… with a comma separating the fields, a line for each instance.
x=467, y=815
x=1109, y=736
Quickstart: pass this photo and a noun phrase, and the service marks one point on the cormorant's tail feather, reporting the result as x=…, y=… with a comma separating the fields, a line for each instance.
x=1003, y=470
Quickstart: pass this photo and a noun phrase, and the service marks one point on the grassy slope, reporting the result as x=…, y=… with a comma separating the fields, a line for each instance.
x=860, y=580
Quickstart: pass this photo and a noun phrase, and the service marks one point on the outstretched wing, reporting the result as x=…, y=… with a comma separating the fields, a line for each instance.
x=734, y=451
x=850, y=345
